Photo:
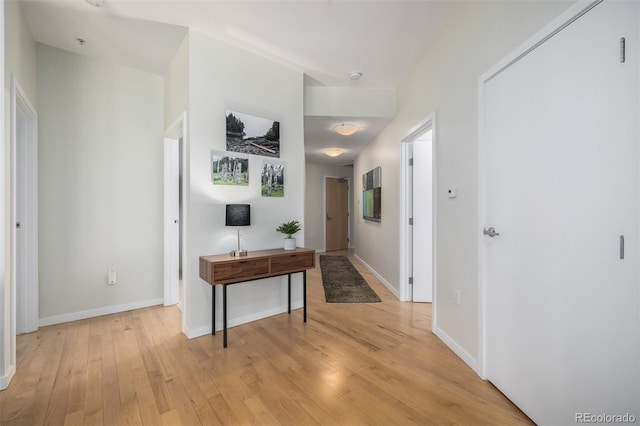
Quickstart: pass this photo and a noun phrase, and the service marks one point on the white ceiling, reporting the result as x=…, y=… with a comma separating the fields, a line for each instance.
x=324, y=39
x=319, y=131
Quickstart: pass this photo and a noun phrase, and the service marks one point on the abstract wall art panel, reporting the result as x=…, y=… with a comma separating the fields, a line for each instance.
x=372, y=195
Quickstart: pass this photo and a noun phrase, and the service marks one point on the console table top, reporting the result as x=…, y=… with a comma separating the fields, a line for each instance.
x=217, y=258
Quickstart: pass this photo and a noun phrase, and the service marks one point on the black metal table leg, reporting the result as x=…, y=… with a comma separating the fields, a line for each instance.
x=289, y=290
x=304, y=293
x=224, y=314
x=213, y=310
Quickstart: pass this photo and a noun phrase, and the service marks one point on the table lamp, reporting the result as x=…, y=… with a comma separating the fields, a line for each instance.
x=238, y=215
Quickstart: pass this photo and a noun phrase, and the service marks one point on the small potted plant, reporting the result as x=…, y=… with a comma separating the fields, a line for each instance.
x=288, y=229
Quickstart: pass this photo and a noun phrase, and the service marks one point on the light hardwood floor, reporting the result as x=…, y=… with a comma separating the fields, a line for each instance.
x=350, y=364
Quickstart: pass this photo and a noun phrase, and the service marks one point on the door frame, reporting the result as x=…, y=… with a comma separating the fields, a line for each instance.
x=24, y=180
x=173, y=134
x=429, y=122
x=324, y=209
x=562, y=21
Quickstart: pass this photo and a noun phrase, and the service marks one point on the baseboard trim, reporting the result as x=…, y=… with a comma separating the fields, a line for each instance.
x=91, y=313
x=6, y=379
x=395, y=292
x=459, y=350
x=192, y=333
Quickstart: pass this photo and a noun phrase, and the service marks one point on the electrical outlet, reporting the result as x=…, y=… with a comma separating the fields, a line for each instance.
x=456, y=297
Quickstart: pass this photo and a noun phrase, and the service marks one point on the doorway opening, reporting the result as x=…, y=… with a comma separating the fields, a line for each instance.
x=175, y=275
x=418, y=214
x=24, y=211
x=336, y=208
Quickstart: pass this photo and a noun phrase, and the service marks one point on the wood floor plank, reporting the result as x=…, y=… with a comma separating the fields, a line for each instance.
x=78, y=383
x=349, y=364
x=111, y=401
x=57, y=407
x=93, y=396
x=171, y=418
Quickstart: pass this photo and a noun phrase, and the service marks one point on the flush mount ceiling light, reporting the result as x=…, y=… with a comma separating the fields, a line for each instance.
x=346, y=129
x=333, y=152
x=355, y=75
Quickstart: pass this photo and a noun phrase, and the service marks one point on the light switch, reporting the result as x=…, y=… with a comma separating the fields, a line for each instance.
x=112, y=276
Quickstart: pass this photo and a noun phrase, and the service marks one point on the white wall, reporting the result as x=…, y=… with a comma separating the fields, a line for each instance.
x=19, y=60
x=445, y=78
x=20, y=53
x=225, y=77
x=100, y=185
x=176, y=84
x=349, y=102
x=314, y=207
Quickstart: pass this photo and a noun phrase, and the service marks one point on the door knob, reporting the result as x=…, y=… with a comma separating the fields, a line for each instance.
x=491, y=231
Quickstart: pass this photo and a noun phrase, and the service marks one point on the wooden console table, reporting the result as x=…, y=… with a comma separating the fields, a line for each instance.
x=226, y=270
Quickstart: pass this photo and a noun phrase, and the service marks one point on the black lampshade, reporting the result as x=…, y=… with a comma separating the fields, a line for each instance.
x=238, y=215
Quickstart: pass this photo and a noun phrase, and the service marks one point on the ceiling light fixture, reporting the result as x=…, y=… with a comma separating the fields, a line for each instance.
x=346, y=129
x=354, y=75
x=333, y=152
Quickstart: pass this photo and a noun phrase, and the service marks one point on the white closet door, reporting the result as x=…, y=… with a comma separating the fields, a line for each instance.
x=422, y=219
x=561, y=187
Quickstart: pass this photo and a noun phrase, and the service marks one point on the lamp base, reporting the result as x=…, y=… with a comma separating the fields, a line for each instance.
x=238, y=253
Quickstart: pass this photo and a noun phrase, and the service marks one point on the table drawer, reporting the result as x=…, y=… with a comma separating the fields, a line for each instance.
x=292, y=262
x=240, y=269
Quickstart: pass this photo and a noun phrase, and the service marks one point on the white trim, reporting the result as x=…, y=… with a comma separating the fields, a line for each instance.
x=570, y=15
x=379, y=277
x=92, y=313
x=177, y=130
x=27, y=269
x=458, y=350
x=567, y=18
x=324, y=209
x=5, y=308
x=429, y=122
x=6, y=379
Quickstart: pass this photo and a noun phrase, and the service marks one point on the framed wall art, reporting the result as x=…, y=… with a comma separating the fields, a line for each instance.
x=249, y=134
x=372, y=195
x=229, y=170
x=272, y=179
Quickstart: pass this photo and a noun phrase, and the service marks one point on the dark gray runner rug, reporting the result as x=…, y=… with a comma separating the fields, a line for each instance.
x=343, y=283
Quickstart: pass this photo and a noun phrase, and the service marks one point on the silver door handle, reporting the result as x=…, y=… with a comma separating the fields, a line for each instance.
x=491, y=231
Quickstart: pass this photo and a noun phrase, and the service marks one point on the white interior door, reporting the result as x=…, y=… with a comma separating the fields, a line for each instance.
x=422, y=239
x=561, y=188
x=24, y=211
x=172, y=221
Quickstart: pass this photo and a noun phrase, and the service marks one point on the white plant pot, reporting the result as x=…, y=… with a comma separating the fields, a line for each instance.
x=289, y=243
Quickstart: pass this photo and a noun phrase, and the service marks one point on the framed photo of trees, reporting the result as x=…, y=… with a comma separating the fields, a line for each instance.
x=272, y=179
x=249, y=134
x=228, y=170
